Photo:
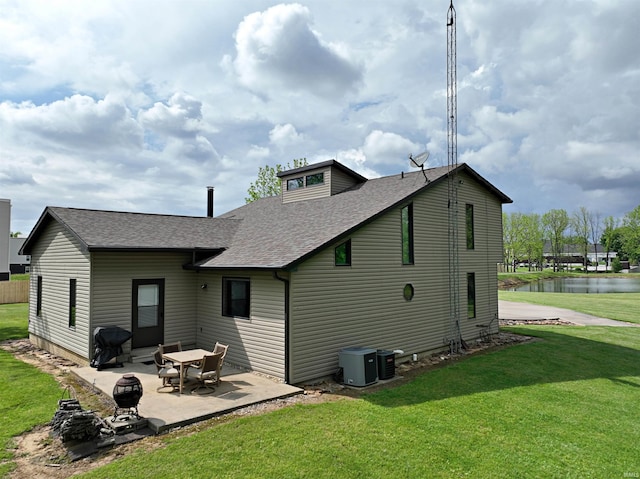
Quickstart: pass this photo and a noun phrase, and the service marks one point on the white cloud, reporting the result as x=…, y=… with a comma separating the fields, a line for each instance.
x=283, y=135
x=140, y=105
x=385, y=147
x=75, y=122
x=180, y=117
x=277, y=50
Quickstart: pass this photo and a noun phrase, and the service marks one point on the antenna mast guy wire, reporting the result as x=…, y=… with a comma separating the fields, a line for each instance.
x=455, y=334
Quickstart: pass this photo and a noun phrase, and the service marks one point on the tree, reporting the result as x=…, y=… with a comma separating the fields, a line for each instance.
x=595, y=225
x=268, y=184
x=533, y=239
x=15, y=234
x=581, y=225
x=610, y=236
x=512, y=238
x=555, y=223
x=631, y=234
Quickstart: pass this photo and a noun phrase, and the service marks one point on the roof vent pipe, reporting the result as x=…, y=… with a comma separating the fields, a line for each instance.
x=210, y=201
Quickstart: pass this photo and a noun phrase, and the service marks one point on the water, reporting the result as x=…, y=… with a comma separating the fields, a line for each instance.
x=593, y=285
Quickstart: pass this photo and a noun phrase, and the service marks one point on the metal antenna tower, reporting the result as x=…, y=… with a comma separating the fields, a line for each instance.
x=455, y=335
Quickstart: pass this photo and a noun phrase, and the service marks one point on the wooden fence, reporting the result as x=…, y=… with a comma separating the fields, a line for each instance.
x=14, y=292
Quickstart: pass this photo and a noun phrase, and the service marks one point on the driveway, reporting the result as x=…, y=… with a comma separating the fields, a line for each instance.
x=525, y=311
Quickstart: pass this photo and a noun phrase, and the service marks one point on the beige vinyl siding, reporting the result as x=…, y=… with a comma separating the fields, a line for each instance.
x=58, y=258
x=340, y=181
x=483, y=259
x=256, y=343
x=362, y=305
x=307, y=192
x=113, y=275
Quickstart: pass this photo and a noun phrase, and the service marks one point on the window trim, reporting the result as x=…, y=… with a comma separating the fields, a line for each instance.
x=469, y=226
x=347, y=245
x=39, y=296
x=408, y=292
x=306, y=179
x=408, y=255
x=227, y=300
x=73, y=293
x=472, y=305
x=299, y=181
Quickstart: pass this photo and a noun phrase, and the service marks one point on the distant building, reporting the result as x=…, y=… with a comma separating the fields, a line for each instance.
x=5, y=234
x=574, y=254
x=18, y=263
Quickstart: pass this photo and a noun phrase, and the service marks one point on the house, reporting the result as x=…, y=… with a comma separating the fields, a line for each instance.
x=10, y=261
x=18, y=264
x=335, y=261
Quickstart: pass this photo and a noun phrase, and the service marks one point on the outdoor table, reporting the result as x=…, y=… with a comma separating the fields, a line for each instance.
x=185, y=358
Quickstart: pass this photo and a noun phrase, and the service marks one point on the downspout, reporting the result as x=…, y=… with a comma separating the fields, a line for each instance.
x=286, y=325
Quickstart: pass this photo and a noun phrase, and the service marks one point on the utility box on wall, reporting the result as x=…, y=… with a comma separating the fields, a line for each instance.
x=359, y=366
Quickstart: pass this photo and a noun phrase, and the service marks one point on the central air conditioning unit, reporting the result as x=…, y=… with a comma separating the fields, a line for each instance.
x=359, y=366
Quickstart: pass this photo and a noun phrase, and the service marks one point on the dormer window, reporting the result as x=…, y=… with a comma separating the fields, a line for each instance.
x=315, y=179
x=295, y=183
x=302, y=181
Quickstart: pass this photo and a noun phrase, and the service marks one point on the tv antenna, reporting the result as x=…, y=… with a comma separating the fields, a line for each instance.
x=419, y=161
x=455, y=333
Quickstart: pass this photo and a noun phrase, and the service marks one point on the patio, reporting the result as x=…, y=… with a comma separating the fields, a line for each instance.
x=166, y=409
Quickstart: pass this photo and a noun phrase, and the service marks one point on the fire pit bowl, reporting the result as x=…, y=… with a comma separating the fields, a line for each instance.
x=127, y=393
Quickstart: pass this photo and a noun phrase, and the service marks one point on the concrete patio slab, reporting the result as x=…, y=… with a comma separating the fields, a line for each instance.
x=166, y=409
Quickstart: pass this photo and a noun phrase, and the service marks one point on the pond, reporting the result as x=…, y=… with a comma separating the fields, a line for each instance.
x=593, y=285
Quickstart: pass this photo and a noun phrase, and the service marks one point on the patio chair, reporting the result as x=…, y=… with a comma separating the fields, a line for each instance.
x=166, y=371
x=220, y=348
x=208, y=374
x=170, y=348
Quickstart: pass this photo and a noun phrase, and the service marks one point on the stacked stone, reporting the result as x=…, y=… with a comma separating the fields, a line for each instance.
x=70, y=422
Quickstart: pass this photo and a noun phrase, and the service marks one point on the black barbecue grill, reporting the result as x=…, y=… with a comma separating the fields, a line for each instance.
x=108, y=341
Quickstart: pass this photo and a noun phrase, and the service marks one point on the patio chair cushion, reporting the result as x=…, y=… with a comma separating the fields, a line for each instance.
x=166, y=371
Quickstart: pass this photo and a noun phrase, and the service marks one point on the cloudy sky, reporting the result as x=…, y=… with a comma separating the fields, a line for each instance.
x=139, y=105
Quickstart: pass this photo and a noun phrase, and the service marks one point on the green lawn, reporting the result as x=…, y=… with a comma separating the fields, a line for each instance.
x=562, y=407
x=28, y=397
x=619, y=306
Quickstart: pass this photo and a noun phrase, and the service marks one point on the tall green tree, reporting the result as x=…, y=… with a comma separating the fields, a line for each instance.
x=533, y=239
x=268, y=184
x=581, y=226
x=595, y=225
x=555, y=223
x=631, y=234
x=512, y=239
x=611, y=237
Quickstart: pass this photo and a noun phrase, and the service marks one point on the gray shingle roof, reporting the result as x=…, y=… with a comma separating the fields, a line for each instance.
x=114, y=230
x=264, y=234
x=277, y=235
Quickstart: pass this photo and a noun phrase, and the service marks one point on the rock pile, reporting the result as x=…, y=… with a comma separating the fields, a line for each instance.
x=71, y=422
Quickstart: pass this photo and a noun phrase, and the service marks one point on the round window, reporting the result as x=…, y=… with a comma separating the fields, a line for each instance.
x=408, y=291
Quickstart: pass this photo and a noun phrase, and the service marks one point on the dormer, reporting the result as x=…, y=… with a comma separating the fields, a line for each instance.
x=317, y=181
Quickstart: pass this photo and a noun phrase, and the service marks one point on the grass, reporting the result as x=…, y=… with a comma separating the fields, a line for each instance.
x=565, y=406
x=20, y=277
x=618, y=306
x=28, y=397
